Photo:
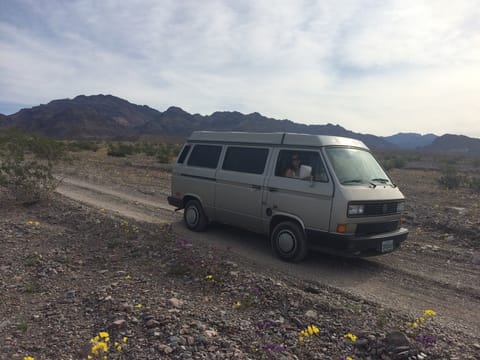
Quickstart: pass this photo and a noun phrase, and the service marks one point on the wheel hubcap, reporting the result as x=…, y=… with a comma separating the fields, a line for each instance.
x=191, y=216
x=286, y=242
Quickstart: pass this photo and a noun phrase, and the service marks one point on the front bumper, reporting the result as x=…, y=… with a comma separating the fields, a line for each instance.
x=351, y=245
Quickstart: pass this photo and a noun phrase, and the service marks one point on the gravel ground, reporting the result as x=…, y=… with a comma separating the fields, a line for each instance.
x=69, y=272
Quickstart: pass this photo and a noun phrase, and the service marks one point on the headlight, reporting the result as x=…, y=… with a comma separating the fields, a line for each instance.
x=401, y=207
x=355, y=209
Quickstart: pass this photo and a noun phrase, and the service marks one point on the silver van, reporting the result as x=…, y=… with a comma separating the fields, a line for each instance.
x=326, y=193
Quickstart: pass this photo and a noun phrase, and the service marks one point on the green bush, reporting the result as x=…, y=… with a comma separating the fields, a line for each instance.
x=120, y=149
x=393, y=163
x=26, y=164
x=450, y=178
x=83, y=145
x=474, y=184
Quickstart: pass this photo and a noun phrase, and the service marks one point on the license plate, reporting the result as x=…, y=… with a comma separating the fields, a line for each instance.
x=387, y=246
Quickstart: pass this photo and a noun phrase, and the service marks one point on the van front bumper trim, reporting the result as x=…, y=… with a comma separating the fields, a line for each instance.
x=351, y=245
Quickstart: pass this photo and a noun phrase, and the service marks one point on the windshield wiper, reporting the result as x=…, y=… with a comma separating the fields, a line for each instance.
x=384, y=181
x=381, y=180
x=352, y=181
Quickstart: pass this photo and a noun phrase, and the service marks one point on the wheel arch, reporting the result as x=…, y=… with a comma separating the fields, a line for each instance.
x=187, y=197
x=278, y=218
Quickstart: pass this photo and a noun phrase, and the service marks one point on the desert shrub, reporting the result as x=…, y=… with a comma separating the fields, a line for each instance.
x=83, y=145
x=167, y=152
x=26, y=164
x=476, y=163
x=120, y=149
x=450, y=178
x=393, y=163
x=474, y=184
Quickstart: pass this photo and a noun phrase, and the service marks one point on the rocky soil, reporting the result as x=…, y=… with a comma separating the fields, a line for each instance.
x=69, y=271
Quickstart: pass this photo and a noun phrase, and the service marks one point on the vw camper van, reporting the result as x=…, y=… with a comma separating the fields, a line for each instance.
x=303, y=191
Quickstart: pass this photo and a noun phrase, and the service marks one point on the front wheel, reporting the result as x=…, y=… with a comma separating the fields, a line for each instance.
x=289, y=242
x=194, y=216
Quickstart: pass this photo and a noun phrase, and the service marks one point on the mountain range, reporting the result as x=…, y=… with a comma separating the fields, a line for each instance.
x=110, y=117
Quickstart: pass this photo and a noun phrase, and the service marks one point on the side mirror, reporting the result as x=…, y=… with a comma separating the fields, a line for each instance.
x=305, y=171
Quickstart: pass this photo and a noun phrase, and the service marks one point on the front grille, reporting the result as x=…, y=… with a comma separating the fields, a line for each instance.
x=380, y=208
x=376, y=228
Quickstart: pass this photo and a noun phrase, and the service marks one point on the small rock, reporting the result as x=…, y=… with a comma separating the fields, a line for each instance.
x=312, y=290
x=476, y=259
x=211, y=332
x=361, y=343
x=70, y=294
x=176, y=303
x=119, y=324
x=312, y=314
x=190, y=340
x=396, y=339
x=152, y=323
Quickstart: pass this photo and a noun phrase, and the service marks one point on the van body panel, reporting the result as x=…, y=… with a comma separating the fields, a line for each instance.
x=238, y=199
x=198, y=183
x=302, y=199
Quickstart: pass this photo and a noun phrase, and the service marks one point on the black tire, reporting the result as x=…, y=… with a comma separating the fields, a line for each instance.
x=289, y=242
x=194, y=216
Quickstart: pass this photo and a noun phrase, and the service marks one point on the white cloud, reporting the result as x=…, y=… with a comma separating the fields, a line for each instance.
x=377, y=67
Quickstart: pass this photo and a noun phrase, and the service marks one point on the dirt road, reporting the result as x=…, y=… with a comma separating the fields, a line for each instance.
x=419, y=276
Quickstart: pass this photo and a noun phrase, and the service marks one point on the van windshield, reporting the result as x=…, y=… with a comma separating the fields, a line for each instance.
x=356, y=166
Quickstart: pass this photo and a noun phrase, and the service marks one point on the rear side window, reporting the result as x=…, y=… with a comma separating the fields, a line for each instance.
x=184, y=154
x=245, y=159
x=205, y=156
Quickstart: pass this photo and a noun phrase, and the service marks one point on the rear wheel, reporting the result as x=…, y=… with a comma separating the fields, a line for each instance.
x=289, y=242
x=194, y=216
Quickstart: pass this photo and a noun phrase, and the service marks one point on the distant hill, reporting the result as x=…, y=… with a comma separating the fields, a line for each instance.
x=108, y=117
x=84, y=117
x=455, y=144
x=411, y=140
x=3, y=120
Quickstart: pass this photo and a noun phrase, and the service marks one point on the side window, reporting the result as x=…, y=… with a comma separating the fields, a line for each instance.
x=305, y=165
x=245, y=159
x=184, y=154
x=205, y=156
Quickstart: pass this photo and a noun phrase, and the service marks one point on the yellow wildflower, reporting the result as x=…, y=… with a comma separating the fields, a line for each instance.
x=139, y=306
x=350, y=336
x=428, y=313
x=28, y=358
x=124, y=339
x=209, y=277
x=127, y=277
x=312, y=330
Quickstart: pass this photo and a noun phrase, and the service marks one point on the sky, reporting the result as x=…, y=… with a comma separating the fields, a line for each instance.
x=378, y=67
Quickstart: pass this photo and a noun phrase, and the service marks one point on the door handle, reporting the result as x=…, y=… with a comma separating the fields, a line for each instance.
x=272, y=189
x=256, y=187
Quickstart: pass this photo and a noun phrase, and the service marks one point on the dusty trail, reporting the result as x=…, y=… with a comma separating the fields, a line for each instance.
x=409, y=283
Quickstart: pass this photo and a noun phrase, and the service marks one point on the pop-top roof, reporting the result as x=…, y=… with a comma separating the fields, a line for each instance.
x=273, y=138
